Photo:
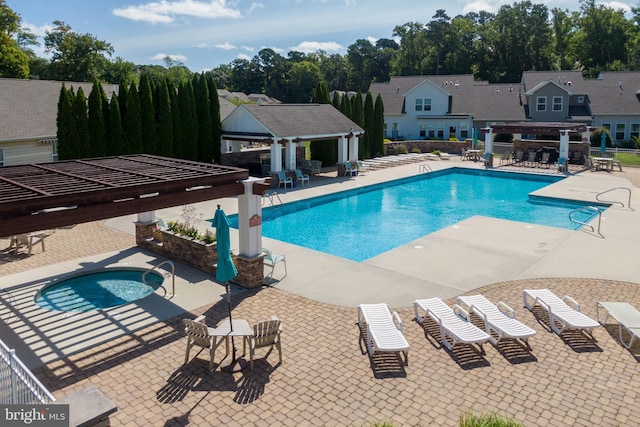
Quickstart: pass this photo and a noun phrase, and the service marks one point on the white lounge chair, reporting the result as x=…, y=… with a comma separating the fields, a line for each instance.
x=454, y=323
x=562, y=316
x=499, y=320
x=384, y=330
x=627, y=316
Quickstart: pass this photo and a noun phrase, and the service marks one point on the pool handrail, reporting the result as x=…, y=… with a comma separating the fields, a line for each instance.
x=628, y=205
x=173, y=275
x=584, y=224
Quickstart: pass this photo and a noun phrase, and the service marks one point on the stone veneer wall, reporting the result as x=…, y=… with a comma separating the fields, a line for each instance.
x=198, y=255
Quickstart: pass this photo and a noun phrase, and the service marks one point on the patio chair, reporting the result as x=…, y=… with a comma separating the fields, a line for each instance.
x=499, y=320
x=384, y=330
x=455, y=325
x=315, y=167
x=506, y=158
x=302, y=177
x=564, y=314
x=362, y=168
x=199, y=335
x=627, y=316
x=283, y=180
x=265, y=334
x=349, y=170
x=28, y=240
x=271, y=260
x=545, y=159
x=519, y=157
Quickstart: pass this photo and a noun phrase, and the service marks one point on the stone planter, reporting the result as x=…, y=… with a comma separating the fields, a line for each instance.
x=189, y=251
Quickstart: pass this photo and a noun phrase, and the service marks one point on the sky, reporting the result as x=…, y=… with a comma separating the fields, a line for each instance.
x=203, y=34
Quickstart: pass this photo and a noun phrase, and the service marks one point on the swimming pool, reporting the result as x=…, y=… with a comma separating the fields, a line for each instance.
x=362, y=223
x=110, y=287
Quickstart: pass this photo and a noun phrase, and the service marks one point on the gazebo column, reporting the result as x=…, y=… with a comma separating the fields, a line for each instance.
x=225, y=147
x=564, y=149
x=343, y=144
x=290, y=154
x=276, y=156
x=249, y=262
x=353, y=148
x=488, y=147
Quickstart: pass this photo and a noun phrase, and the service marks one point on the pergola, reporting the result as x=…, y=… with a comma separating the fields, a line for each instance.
x=44, y=196
x=539, y=128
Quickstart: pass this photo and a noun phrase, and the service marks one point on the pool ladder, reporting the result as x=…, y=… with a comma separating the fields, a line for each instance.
x=173, y=276
x=628, y=205
x=271, y=197
x=591, y=210
x=425, y=167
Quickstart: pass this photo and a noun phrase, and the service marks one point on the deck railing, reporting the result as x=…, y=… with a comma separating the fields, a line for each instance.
x=17, y=384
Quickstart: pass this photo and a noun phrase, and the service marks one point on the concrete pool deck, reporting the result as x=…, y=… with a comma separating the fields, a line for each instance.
x=325, y=378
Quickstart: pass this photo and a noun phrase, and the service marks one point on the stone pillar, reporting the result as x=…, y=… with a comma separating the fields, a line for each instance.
x=488, y=141
x=250, y=260
x=564, y=149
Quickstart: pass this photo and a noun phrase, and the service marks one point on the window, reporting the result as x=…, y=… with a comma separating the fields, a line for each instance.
x=581, y=100
x=440, y=130
x=385, y=130
x=635, y=130
x=541, y=103
x=620, y=131
x=54, y=152
x=423, y=104
x=557, y=103
x=607, y=126
x=432, y=132
x=423, y=130
x=394, y=129
x=464, y=130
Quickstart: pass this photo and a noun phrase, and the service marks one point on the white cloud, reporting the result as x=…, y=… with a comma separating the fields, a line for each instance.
x=616, y=5
x=478, y=6
x=165, y=11
x=225, y=46
x=372, y=40
x=243, y=56
x=310, y=47
x=254, y=6
x=247, y=48
x=173, y=57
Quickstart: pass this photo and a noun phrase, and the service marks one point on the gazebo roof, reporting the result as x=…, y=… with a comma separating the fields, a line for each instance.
x=539, y=128
x=42, y=196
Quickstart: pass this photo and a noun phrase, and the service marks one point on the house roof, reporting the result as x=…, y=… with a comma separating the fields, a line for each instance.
x=306, y=121
x=615, y=93
x=30, y=107
x=48, y=195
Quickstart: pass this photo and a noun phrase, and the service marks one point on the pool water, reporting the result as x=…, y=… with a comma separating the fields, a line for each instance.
x=363, y=223
x=99, y=289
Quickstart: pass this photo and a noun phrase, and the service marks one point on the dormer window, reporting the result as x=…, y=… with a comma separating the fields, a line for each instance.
x=541, y=103
x=423, y=104
x=581, y=99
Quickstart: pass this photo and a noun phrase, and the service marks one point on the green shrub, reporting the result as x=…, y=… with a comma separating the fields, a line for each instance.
x=487, y=420
x=416, y=150
x=398, y=149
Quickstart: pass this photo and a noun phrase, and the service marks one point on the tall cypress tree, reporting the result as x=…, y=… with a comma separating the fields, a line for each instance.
x=82, y=125
x=357, y=110
x=164, y=120
x=115, y=137
x=203, y=112
x=216, y=123
x=336, y=100
x=97, y=130
x=175, y=118
x=66, y=124
x=147, y=116
x=345, y=105
x=377, y=140
x=132, y=124
x=364, y=148
x=188, y=132
x=123, y=92
x=323, y=150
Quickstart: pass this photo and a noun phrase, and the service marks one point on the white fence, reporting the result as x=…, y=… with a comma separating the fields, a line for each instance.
x=17, y=384
x=626, y=156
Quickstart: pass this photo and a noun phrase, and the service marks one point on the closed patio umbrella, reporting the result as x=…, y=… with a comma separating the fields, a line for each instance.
x=603, y=142
x=475, y=138
x=225, y=270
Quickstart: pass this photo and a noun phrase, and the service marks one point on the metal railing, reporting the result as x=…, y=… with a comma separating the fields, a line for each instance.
x=17, y=384
x=628, y=205
x=173, y=275
x=591, y=210
x=626, y=156
x=271, y=197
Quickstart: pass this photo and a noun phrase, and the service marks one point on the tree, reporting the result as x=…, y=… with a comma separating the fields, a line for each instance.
x=75, y=57
x=97, y=128
x=164, y=120
x=186, y=141
x=303, y=78
x=360, y=61
x=563, y=25
x=364, y=148
x=115, y=138
x=413, y=45
x=377, y=139
x=323, y=150
x=132, y=123
x=66, y=125
x=147, y=116
x=14, y=59
x=216, y=123
x=203, y=113
x=81, y=125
